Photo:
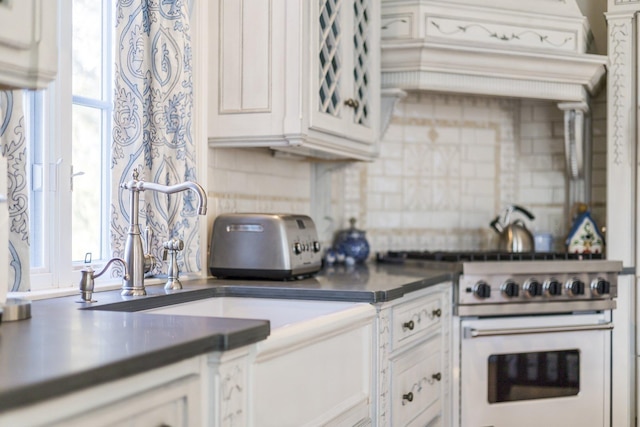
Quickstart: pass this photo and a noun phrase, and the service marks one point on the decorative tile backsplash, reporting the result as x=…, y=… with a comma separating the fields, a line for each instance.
x=448, y=165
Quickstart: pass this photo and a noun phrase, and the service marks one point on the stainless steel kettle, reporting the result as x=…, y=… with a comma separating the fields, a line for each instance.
x=514, y=236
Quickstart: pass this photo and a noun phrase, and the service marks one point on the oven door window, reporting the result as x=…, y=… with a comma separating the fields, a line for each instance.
x=534, y=375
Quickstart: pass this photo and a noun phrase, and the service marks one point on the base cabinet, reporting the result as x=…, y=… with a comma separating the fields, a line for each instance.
x=169, y=396
x=413, y=359
x=381, y=365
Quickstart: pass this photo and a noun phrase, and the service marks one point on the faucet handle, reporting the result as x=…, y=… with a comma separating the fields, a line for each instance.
x=149, y=261
x=148, y=235
x=173, y=272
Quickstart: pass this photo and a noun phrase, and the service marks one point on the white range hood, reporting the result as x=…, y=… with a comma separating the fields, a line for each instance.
x=508, y=48
x=489, y=47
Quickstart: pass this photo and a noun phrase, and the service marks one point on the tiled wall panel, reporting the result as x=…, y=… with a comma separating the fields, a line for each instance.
x=448, y=165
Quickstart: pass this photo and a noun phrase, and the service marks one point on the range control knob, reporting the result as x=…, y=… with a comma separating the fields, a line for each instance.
x=600, y=287
x=532, y=288
x=552, y=288
x=575, y=287
x=510, y=289
x=482, y=290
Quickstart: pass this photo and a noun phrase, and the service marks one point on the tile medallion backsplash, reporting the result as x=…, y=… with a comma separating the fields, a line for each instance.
x=449, y=164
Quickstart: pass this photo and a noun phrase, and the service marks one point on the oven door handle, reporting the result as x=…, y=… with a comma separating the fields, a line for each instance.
x=479, y=333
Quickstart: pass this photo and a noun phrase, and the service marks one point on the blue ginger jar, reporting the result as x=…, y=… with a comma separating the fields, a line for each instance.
x=353, y=243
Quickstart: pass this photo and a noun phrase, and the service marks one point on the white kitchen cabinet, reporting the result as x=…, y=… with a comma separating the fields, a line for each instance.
x=413, y=359
x=28, y=43
x=168, y=396
x=301, y=77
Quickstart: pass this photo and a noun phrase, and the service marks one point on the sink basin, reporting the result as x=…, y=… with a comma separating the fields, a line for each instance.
x=279, y=312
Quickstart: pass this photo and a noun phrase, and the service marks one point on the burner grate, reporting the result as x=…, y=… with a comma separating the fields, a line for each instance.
x=447, y=256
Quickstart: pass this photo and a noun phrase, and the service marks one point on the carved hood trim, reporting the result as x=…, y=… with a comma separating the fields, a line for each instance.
x=489, y=47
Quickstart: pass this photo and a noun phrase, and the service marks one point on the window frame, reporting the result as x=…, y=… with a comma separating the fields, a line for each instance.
x=51, y=119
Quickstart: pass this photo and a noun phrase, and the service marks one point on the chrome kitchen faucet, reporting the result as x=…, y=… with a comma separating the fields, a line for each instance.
x=137, y=261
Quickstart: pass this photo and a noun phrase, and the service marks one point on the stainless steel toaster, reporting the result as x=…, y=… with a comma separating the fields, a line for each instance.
x=265, y=246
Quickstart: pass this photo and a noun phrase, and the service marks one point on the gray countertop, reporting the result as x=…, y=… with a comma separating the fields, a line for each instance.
x=66, y=346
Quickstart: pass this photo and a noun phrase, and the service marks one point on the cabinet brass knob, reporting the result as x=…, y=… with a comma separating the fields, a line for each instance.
x=437, y=313
x=437, y=376
x=352, y=103
x=408, y=325
x=408, y=397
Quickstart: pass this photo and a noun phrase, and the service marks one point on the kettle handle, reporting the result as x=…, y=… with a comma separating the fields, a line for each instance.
x=495, y=224
x=524, y=211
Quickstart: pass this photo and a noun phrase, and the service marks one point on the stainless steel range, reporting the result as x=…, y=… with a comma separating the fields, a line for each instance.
x=532, y=336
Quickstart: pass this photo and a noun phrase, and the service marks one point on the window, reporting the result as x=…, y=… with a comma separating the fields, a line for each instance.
x=70, y=130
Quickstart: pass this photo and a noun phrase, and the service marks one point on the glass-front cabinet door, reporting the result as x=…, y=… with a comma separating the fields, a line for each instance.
x=345, y=68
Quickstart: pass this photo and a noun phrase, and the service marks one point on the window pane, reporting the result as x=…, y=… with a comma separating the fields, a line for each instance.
x=87, y=48
x=536, y=375
x=87, y=188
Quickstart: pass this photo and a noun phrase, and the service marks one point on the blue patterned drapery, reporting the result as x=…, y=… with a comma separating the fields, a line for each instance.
x=14, y=144
x=152, y=124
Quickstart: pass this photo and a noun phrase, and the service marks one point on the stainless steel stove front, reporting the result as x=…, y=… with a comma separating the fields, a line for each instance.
x=531, y=287
x=532, y=343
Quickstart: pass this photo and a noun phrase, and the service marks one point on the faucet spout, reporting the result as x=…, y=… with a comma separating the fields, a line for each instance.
x=183, y=186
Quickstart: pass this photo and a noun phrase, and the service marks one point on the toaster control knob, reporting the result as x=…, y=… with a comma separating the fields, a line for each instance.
x=316, y=246
x=575, y=287
x=482, y=290
x=532, y=288
x=552, y=288
x=510, y=289
x=297, y=248
x=600, y=287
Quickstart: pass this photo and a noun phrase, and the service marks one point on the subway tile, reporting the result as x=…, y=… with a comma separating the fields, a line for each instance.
x=535, y=130
x=386, y=185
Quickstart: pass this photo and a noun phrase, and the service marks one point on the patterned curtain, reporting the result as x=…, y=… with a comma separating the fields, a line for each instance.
x=14, y=149
x=152, y=124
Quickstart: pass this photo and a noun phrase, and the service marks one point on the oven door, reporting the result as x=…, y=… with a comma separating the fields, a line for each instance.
x=535, y=371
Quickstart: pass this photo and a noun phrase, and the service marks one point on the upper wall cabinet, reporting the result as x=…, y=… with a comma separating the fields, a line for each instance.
x=296, y=76
x=28, y=43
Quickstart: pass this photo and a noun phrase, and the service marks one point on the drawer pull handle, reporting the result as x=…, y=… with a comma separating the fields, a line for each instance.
x=436, y=313
x=408, y=397
x=408, y=325
x=437, y=376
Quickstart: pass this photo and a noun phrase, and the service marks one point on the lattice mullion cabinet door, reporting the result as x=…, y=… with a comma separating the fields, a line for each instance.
x=346, y=85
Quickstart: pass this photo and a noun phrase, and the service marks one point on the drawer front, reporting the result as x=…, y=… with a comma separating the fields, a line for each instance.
x=413, y=319
x=416, y=383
